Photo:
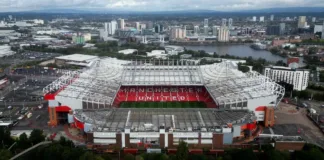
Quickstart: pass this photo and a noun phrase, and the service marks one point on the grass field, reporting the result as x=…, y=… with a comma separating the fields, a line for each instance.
x=162, y=105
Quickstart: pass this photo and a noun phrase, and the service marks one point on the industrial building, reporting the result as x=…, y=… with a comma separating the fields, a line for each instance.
x=75, y=59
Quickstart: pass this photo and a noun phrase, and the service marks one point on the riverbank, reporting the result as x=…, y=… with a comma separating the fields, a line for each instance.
x=208, y=43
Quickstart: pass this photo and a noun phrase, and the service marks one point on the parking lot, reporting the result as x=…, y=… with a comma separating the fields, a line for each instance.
x=30, y=91
x=290, y=121
x=28, y=56
x=36, y=71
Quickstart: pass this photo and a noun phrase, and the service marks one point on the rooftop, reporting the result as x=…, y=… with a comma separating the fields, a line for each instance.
x=227, y=85
x=150, y=119
x=77, y=57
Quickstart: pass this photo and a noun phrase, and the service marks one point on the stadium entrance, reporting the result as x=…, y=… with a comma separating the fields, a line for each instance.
x=62, y=117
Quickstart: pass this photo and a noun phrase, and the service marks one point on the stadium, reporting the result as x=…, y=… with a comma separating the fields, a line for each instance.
x=127, y=103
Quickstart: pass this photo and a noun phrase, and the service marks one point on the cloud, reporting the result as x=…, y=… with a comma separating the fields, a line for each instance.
x=155, y=5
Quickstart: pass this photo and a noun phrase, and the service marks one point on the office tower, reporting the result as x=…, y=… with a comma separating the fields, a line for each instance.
x=196, y=30
x=262, y=19
x=282, y=27
x=106, y=27
x=121, y=23
x=273, y=30
x=302, y=22
x=149, y=25
x=205, y=30
x=137, y=25
x=224, y=22
x=314, y=19
x=272, y=17
x=205, y=22
x=254, y=18
x=142, y=26
x=157, y=28
x=223, y=34
x=161, y=28
x=214, y=30
x=230, y=23
x=113, y=26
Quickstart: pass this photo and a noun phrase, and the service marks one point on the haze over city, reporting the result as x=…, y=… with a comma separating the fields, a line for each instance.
x=153, y=5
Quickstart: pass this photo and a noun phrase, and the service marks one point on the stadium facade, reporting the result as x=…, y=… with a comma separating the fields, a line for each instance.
x=91, y=100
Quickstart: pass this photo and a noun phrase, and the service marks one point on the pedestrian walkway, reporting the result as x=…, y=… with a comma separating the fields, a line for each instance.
x=73, y=134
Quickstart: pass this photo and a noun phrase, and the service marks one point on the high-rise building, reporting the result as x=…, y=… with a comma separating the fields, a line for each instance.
x=302, y=22
x=137, y=25
x=121, y=24
x=230, y=23
x=297, y=77
x=196, y=30
x=161, y=28
x=282, y=28
x=223, y=34
x=262, y=19
x=142, y=26
x=272, y=17
x=214, y=30
x=273, y=30
x=106, y=27
x=314, y=19
x=206, y=30
x=205, y=22
x=158, y=28
x=109, y=28
x=113, y=27
x=149, y=25
x=254, y=18
x=224, y=21
x=177, y=33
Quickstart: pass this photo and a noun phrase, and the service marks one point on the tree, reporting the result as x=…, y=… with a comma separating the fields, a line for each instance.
x=23, y=141
x=243, y=69
x=138, y=157
x=36, y=136
x=90, y=156
x=5, y=154
x=5, y=138
x=280, y=63
x=129, y=157
x=182, y=151
x=312, y=50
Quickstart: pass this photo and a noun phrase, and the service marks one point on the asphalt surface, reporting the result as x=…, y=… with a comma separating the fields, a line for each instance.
x=27, y=57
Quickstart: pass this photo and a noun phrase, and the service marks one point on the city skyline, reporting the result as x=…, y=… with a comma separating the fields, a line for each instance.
x=146, y=5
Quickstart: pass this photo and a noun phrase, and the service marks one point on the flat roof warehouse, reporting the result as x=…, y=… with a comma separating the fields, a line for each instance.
x=78, y=58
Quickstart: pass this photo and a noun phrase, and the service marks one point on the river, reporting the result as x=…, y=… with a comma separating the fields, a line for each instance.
x=238, y=50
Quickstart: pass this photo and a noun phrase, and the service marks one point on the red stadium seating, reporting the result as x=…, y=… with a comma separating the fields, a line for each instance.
x=164, y=94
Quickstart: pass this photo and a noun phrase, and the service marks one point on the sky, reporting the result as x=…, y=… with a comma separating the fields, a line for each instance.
x=154, y=5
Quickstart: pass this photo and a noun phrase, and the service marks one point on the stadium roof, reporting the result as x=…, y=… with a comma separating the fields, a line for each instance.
x=228, y=86
x=182, y=119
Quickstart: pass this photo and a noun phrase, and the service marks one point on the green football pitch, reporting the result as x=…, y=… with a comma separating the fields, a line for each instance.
x=162, y=105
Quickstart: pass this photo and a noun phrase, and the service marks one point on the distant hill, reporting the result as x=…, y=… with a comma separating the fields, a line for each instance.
x=267, y=10
x=288, y=9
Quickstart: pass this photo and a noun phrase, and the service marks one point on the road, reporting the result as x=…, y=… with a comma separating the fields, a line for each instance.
x=31, y=148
